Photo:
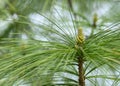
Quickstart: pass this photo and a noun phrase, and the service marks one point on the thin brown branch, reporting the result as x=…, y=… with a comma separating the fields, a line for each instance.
x=81, y=72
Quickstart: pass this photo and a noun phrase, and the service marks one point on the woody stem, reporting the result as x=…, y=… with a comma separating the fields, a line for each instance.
x=81, y=72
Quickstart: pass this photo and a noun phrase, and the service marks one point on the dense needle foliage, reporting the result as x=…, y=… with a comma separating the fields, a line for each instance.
x=41, y=42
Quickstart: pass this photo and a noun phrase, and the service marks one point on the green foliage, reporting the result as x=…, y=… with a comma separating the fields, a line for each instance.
x=39, y=37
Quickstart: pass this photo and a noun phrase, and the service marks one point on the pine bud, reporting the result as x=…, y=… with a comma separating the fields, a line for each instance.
x=80, y=36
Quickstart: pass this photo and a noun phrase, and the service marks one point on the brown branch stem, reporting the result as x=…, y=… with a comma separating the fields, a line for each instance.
x=81, y=72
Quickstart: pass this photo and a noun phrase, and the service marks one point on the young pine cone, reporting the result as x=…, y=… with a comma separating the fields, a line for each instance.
x=80, y=36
